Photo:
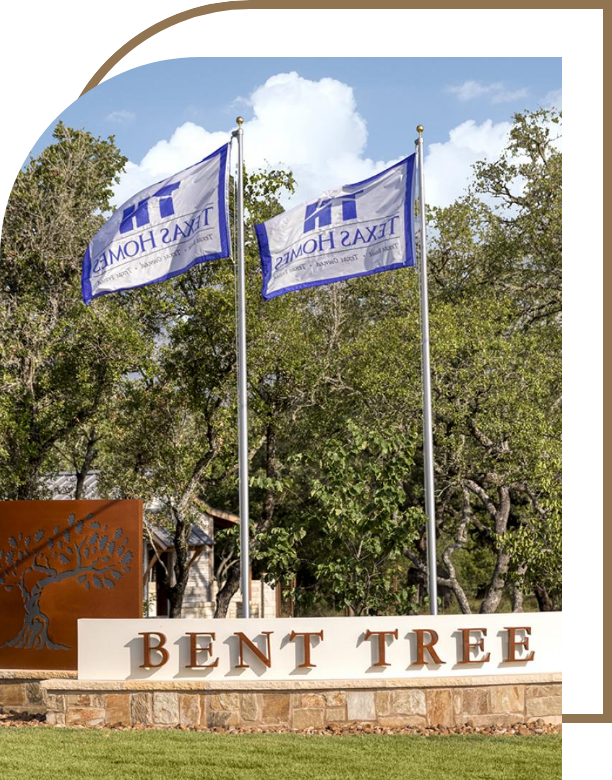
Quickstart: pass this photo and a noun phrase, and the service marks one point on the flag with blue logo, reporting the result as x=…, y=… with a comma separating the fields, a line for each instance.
x=162, y=231
x=355, y=230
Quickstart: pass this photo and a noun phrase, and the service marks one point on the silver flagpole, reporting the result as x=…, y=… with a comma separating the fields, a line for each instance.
x=243, y=443
x=430, y=505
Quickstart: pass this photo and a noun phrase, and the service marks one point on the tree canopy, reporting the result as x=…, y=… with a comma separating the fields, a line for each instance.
x=141, y=385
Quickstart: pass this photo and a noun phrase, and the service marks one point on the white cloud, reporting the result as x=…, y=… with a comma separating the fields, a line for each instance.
x=553, y=99
x=189, y=144
x=315, y=129
x=472, y=89
x=508, y=95
x=448, y=165
x=497, y=91
x=238, y=102
x=311, y=127
x=121, y=117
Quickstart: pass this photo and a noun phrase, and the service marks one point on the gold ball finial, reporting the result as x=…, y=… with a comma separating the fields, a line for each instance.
x=239, y=120
x=420, y=129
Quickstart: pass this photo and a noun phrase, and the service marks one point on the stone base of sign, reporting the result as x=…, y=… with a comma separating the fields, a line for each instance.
x=21, y=692
x=477, y=701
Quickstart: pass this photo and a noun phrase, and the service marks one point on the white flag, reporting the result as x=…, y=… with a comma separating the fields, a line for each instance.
x=162, y=231
x=355, y=230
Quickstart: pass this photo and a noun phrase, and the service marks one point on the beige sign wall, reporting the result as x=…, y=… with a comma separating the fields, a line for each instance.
x=320, y=648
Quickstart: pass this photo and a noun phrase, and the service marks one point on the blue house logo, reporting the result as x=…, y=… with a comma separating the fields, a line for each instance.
x=139, y=214
x=319, y=213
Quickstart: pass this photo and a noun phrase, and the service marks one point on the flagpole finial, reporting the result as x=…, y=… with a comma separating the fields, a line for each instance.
x=420, y=129
x=239, y=121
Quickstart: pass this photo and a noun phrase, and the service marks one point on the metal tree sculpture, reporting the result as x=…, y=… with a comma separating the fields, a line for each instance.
x=83, y=549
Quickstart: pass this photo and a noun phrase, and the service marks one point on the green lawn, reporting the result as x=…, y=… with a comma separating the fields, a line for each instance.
x=68, y=754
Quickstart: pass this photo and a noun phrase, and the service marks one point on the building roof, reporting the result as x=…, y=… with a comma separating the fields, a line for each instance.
x=222, y=519
x=162, y=539
x=63, y=485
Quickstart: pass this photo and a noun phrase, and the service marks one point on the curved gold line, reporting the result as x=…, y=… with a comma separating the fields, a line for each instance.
x=202, y=10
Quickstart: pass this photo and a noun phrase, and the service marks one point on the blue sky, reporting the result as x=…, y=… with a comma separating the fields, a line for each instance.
x=368, y=107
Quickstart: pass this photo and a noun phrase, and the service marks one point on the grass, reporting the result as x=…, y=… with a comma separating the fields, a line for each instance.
x=67, y=754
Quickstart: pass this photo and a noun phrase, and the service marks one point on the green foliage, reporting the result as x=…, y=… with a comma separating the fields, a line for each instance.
x=349, y=539
x=142, y=385
x=525, y=184
x=171, y=432
x=496, y=341
x=537, y=541
x=58, y=360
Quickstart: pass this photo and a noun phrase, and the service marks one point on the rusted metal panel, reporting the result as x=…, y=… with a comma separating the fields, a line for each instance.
x=61, y=561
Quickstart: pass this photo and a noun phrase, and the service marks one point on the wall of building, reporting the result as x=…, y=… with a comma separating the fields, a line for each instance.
x=199, y=584
x=263, y=603
x=201, y=592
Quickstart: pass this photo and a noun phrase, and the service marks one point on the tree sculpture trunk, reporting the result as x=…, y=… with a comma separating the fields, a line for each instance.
x=34, y=633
